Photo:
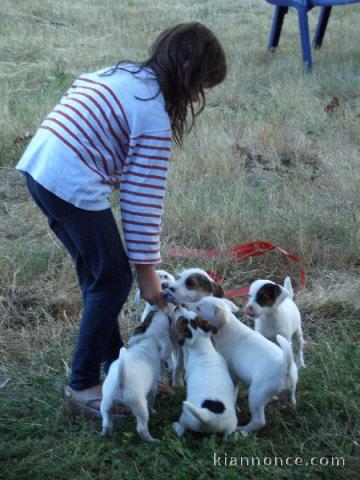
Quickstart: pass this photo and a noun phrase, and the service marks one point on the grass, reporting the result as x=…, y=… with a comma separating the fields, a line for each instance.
x=41, y=434
x=266, y=162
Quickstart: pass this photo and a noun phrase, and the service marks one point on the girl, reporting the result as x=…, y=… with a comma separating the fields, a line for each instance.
x=112, y=130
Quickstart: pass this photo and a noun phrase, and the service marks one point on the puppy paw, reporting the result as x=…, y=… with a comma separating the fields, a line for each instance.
x=274, y=399
x=242, y=432
x=178, y=429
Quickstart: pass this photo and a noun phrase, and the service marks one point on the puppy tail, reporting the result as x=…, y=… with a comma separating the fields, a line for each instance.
x=288, y=287
x=201, y=414
x=122, y=354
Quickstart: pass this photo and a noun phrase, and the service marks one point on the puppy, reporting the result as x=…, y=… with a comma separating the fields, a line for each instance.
x=176, y=361
x=166, y=280
x=193, y=284
x=276, y=313
x=210, y=392
x=269, y=370
x=133, y=378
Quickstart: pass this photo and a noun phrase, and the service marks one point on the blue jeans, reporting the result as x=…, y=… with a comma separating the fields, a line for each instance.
x=93, y=241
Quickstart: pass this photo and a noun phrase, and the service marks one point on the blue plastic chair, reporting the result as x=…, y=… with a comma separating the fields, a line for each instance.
x=303, y=6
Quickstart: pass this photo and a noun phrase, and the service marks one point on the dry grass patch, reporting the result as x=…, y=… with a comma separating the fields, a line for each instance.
x=268, y=161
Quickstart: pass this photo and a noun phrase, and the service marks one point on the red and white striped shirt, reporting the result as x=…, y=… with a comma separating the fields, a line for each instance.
x=107, y=131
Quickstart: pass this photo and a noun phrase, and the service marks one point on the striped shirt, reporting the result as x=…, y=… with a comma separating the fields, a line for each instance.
x=101, y=136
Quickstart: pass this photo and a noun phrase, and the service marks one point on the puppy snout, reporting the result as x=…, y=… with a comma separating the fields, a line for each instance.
x=164, y=285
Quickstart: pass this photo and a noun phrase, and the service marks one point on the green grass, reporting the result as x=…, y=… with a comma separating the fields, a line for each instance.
x=41, y=438
x=298, y=187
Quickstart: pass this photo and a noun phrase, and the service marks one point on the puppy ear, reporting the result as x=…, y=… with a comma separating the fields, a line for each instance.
x=283, y=294
x=145, y=324
x=203, y=324
x=217, y=290
x=232, y=305
x=288, y=287
x=221, y=317
x=213, y=330
x=182, y=326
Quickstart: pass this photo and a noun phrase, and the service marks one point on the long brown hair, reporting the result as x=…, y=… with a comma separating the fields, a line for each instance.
x=186, y=59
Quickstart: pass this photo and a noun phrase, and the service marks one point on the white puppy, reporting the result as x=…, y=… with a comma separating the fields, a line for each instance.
x=166, y=280
x=133, y=378
x=193, y=284
x=251, y=358
x=176, y=361
x=276, y=313
x=190, y=285
x=210, y=391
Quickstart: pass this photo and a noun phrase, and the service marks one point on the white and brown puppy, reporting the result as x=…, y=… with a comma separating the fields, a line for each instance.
x=210, y=391
x=193, y=284
x=166, y=280
x=190, y=285
x=133, y=378
x=276, y=313
x=267, y=369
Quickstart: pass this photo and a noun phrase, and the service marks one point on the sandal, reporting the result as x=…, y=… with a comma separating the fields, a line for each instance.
x=85, y=406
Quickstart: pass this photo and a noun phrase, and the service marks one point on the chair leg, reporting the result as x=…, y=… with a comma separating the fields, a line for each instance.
x=305, y=38
x=276, y=27
x=321, y=27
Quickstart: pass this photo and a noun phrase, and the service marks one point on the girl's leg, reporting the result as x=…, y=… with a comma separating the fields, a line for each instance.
x=86, y=278
x=97, y=239
x=93, y=241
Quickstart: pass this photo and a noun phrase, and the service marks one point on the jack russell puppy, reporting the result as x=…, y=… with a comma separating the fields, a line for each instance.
x=210, y=391
x=276, y=313
x=133, y=378
x=193, y=284
x=190, y=285
x=166, y=281
x=266, y=368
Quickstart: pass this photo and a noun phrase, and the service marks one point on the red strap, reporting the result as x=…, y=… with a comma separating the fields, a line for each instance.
x=238, y=253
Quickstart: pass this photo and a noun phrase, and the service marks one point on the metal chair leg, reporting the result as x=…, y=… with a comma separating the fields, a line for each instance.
x=321, y=26
x=276, y=27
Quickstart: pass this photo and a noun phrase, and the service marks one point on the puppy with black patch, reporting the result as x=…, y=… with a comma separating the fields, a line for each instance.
x=210, y=391
x=193, y=284
x=133, y=378
x=275, y=313
x=267, y=369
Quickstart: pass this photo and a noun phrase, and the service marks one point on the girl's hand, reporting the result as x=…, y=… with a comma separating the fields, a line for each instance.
x=149, y=285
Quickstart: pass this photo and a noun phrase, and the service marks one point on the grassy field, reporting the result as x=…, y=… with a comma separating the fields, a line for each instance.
x=268, y=161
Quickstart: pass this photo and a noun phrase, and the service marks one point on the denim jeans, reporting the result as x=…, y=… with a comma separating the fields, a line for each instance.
x=103, y=270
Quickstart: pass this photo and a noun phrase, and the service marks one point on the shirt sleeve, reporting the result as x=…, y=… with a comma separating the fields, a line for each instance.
x=142, y=191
